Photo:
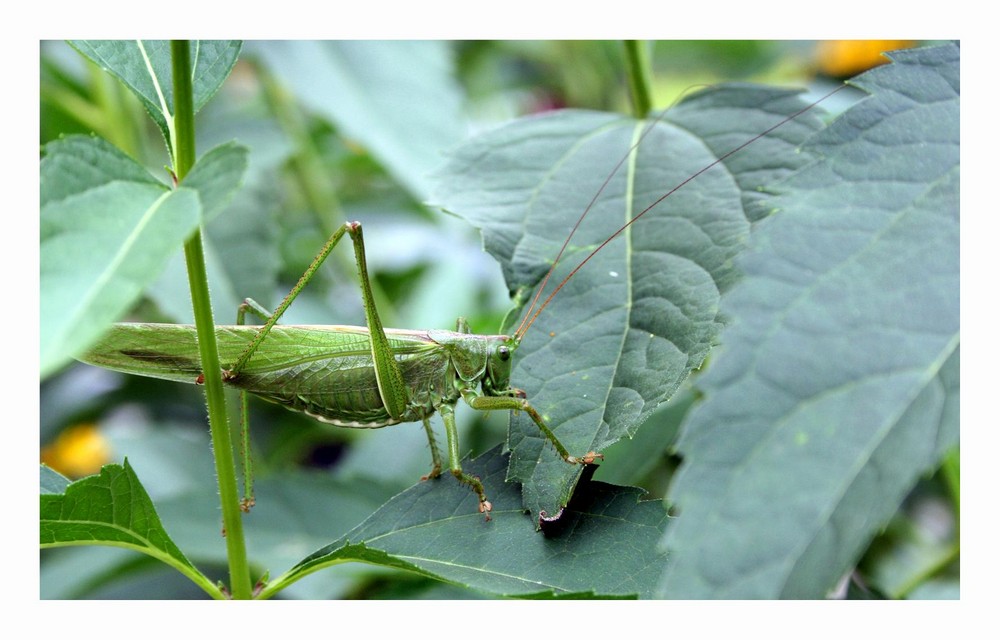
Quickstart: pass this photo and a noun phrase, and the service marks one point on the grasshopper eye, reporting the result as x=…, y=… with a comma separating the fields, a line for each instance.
x=503, y=353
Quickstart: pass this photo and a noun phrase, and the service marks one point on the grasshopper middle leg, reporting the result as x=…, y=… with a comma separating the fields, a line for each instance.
x=451, y=429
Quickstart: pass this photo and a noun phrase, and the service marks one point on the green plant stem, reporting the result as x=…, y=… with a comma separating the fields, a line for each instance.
x=639, y=76
x=222, y=446
x=184, y=152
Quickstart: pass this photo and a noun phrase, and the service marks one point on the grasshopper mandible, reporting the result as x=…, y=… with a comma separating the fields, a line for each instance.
x=365, y=377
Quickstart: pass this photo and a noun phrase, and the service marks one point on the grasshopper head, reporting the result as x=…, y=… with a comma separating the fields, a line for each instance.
x=496, y=382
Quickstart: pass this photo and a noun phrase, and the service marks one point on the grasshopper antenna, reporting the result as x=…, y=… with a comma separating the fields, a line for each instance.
x=530, y=317
x=523, y=327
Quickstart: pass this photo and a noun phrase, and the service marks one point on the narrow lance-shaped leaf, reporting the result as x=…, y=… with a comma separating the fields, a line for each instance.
x=838, y=385
x=107, y=229
x=144, y=67
x=629, y=327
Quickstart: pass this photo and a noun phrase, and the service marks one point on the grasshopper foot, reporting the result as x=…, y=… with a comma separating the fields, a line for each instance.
x=434, y=473
x=588, y=458
x=485, y=506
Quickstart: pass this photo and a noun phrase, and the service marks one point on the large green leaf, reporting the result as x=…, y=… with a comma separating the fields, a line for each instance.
x=399, y=99
x=144, y=66
x=111, y=508
x=630, y=326
x=839, y=381
x=630, y=461
x=107, y=228
x=605, y=545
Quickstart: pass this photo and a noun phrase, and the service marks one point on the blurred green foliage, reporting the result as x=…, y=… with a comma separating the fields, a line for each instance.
x=309, y=171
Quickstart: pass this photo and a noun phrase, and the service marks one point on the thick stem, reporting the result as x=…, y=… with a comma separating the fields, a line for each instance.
x=222, y=445
x=184, y=150
x=639, y=75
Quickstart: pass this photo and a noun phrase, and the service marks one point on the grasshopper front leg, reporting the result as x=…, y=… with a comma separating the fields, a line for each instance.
x=519, y=403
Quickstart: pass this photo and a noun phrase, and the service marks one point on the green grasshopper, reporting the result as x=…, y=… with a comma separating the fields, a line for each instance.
x=361, y=377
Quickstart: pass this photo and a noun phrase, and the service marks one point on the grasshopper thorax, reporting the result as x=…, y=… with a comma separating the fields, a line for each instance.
x=478, y=360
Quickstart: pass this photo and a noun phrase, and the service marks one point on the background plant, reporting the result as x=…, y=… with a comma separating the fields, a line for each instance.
x=320, y=158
